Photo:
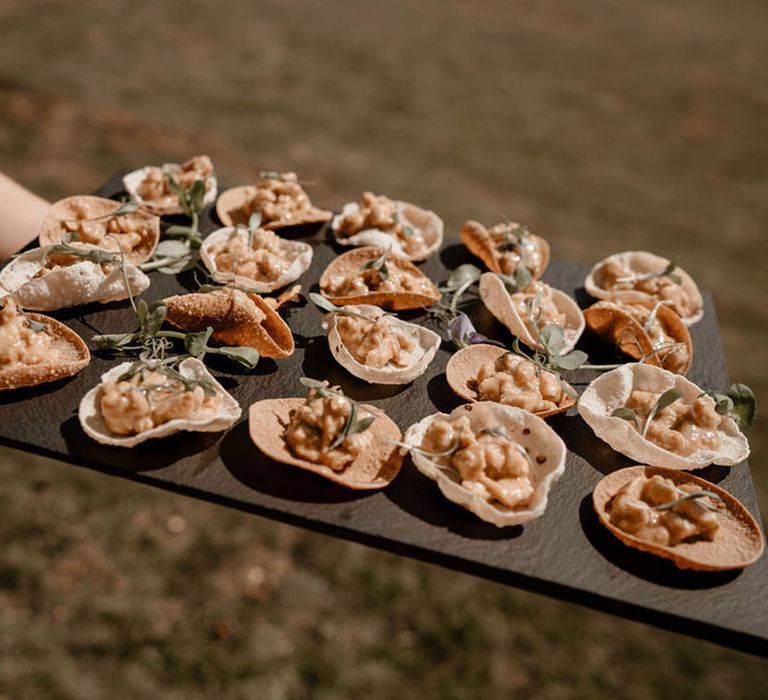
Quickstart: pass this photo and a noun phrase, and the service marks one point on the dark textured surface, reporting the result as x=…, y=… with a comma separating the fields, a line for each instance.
x=565, y=554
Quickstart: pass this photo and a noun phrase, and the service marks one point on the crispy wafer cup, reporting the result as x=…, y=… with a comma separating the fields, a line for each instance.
x=374, y=468
x=478, y=240
x=53, y=228
x=232, y=209
x=350, y=263
x=237, y=318
x=738, y=541
x=464, y=366
x=613, y=323
x=69, y=354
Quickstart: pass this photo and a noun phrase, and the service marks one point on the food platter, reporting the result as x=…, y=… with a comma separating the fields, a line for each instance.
x=565, y=554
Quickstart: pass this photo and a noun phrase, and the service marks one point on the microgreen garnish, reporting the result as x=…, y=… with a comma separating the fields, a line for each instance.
x=36, y=326
x=498, y=432
x=690, y=496
x=738, y=403
x=379, y=265
x=627, y=414
x=271, y=175
x=648, y=325
x=453, y=289
x=321, y=302
x=94, y=255
x=352, y=426
x=125, y=208
x=515, y=236
x=166, y=368
x=668, y=271
x=461, y=332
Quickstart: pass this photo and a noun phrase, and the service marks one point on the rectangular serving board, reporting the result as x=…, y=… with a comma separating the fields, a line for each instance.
x=565, y=554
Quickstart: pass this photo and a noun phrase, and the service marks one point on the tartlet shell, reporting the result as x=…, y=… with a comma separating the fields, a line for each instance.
x=478, y=240
x=430, y=224
x=427, y=341
x=641, y=262
x=51, y=231
x=464, y=366
x=612, y=390
x=350, y=262
x=541, y=440
x=230, y=208
x=93, y=424
x=498, y=301
x=372, y=469
x=133, y=180
x=609, y=320
x=299, y=253
x=82, y=282
x=738, y=541
x=234, y=320
x=73, y=350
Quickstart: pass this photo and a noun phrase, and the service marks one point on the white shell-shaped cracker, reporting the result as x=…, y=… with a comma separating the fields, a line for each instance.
x=297, y=252
x=93, y=424
x=426, y=344
x=82, y=282
x=540, y=441
x=133, y=180
x=642, y=262
x=613, y=389
x=429, y=223
x=498, y=301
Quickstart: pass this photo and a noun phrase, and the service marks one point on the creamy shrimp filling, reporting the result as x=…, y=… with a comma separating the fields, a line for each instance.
x=373, y=341
x=515, y=381
x=488, y=462
x=672, y=355
x=656, y=510
x=127, y=231
x=326, y=429
x=618, y=276
x=536, y=306
x=155, y=188
x=515, y=247
x=265, y=259
x=680, y=427
x=380, y=212
x=135, y=404
x=373, y=279
x=278, y=197
x=21, y=342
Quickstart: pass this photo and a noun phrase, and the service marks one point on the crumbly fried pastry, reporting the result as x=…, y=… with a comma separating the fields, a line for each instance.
x=35, y=349
x=497, y=461
x=87, y=219
x=679, y=516
x=377, y=347
x=642, y=276
x=375, y=276
x=409, y=231
x=490, y=373
x=140, y=401
x=149, y=186
x=278, y=198
x=506, y=246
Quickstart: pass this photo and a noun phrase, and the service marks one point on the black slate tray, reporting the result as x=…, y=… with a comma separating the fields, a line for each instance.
x=565, y=554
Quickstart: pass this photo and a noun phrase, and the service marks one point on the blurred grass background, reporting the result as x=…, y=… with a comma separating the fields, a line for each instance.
x=602, y=125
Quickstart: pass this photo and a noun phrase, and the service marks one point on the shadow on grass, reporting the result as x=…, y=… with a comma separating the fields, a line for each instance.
x=244, y=461
x=647, y=567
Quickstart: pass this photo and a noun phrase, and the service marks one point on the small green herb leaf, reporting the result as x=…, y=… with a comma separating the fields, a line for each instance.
x=249, y=357
x=195, y=343
x=667, y=398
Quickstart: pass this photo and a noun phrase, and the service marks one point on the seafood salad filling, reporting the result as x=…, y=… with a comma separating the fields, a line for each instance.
x=514, y=247
x=113, y=233
x=145, y=397
x=536, y=306
x=516, y=381
x=672, y=355
x=616, y=275
x=278, y=197
x=155, y=186
x=372, y=340
x=258, y=256
x=488, y=462
x=377, y=276
x=380, y=212
x=22, y=341
x=657, y=510
x=328, y=428
x=678, y=427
